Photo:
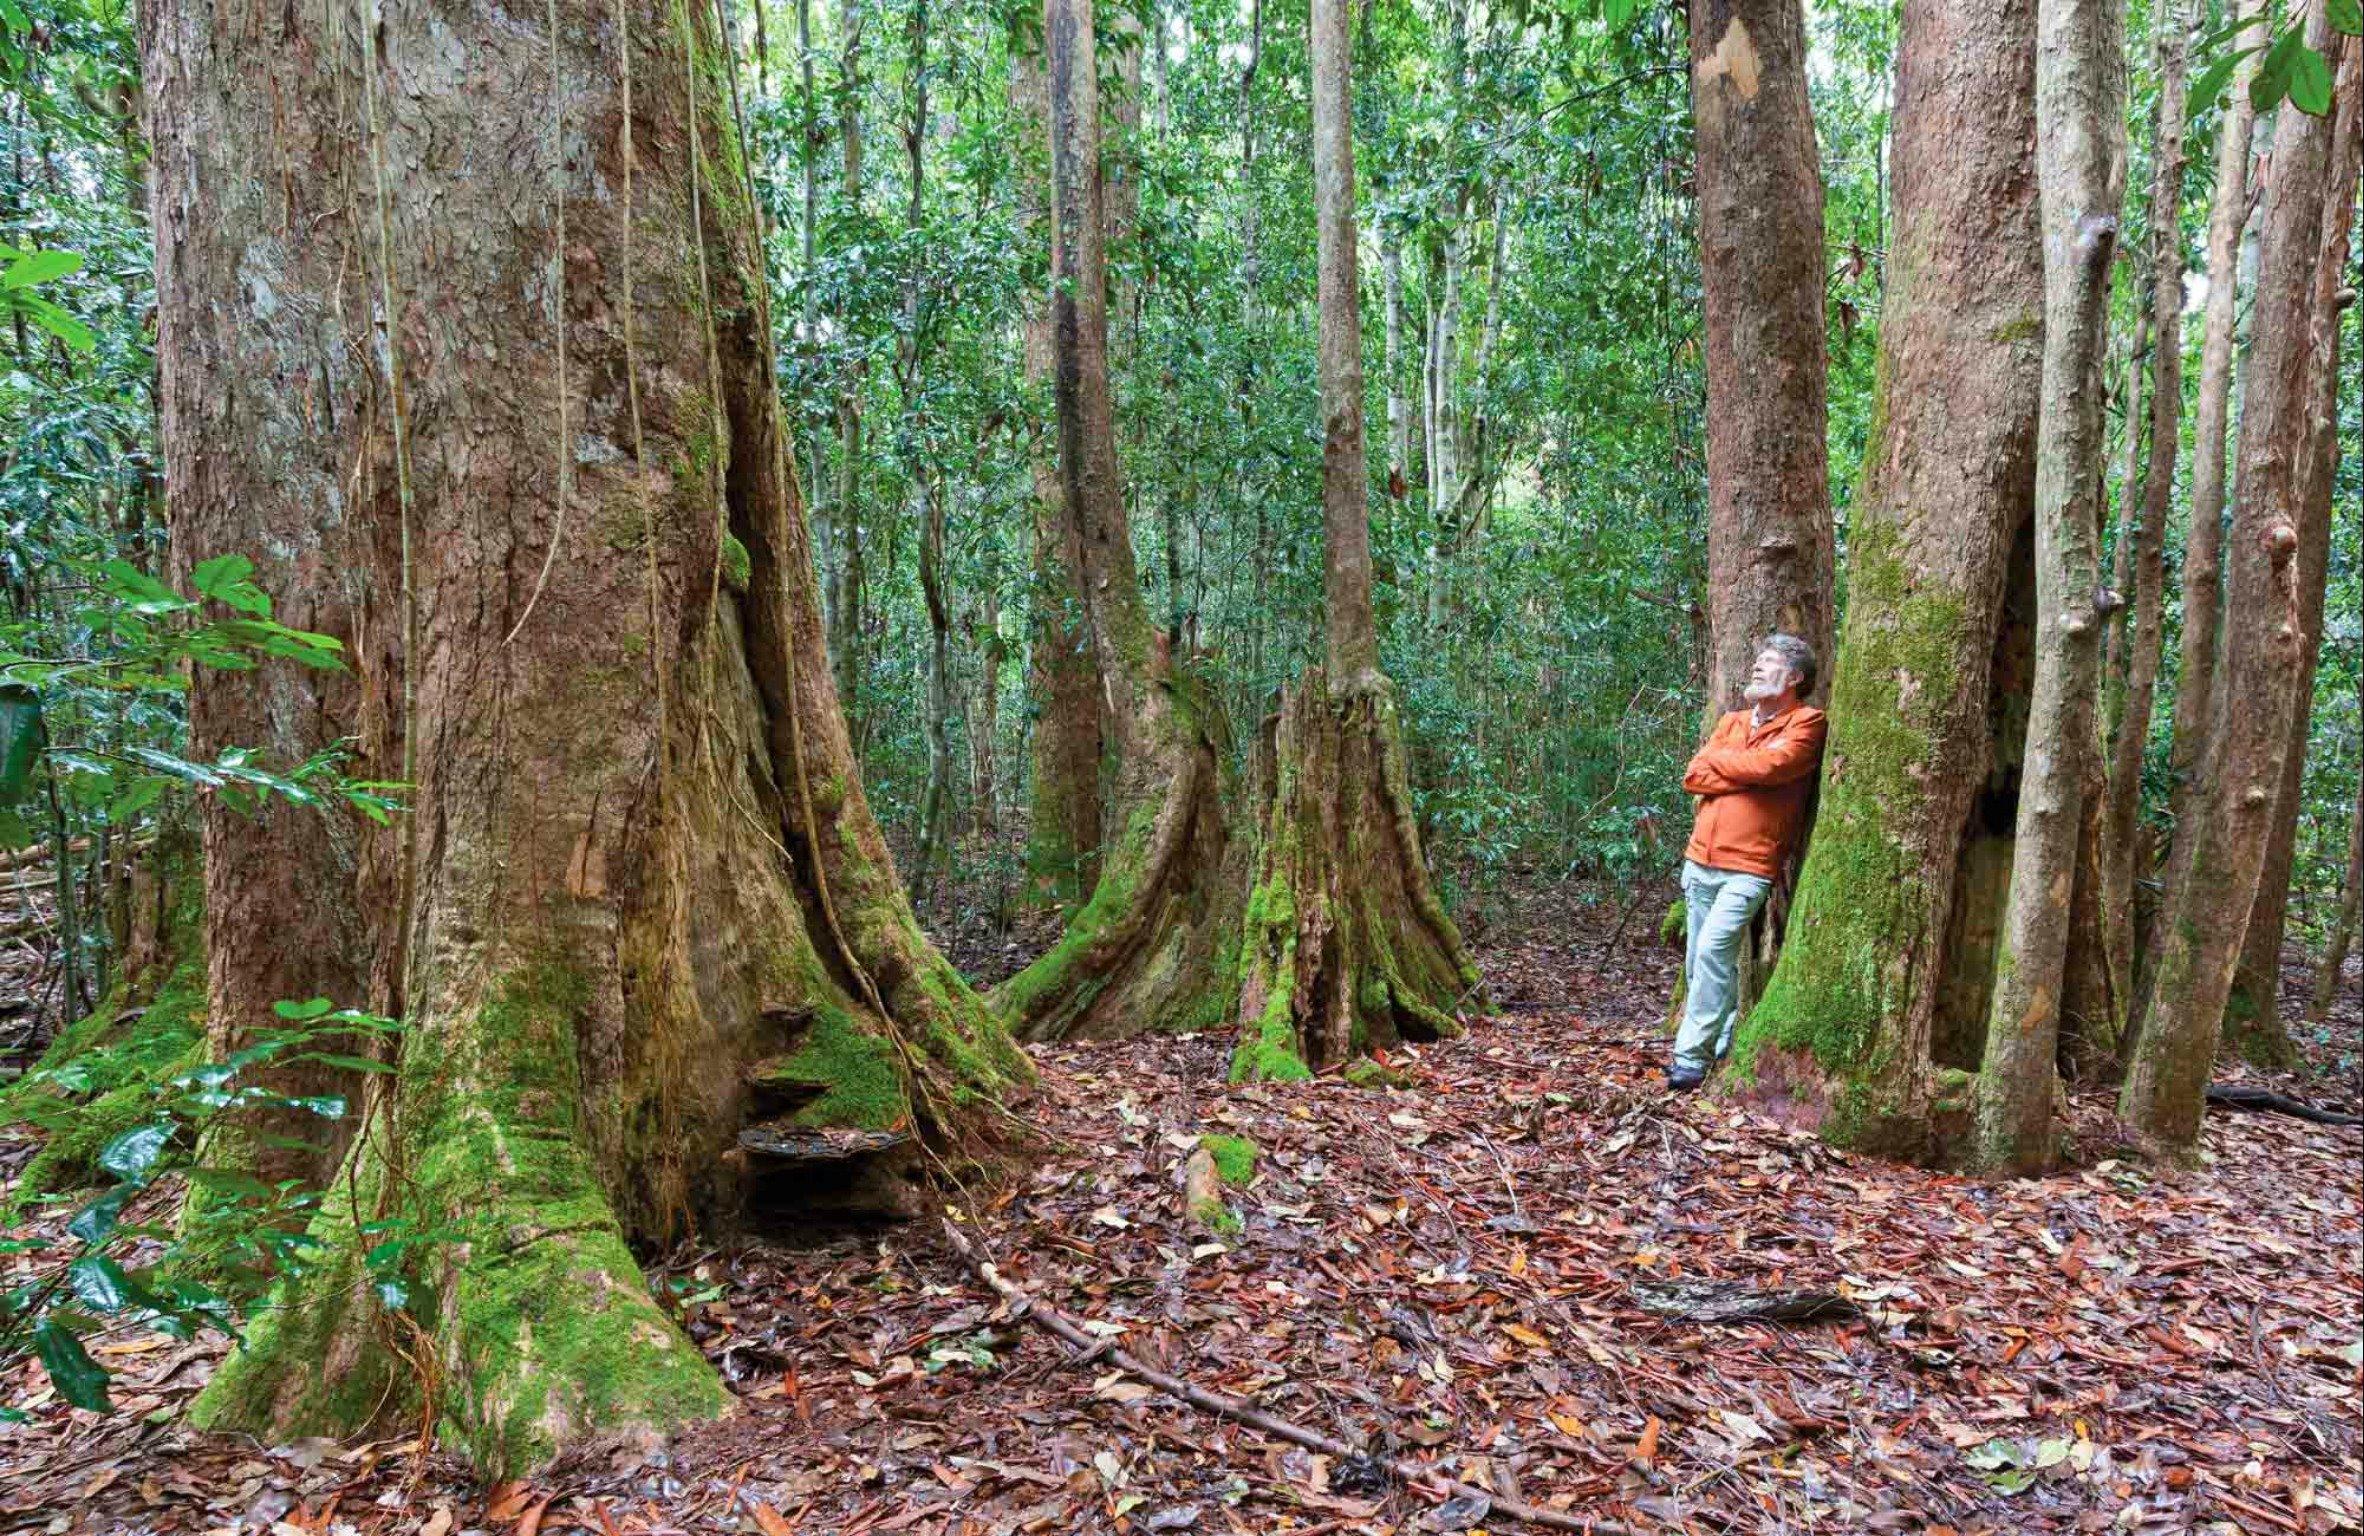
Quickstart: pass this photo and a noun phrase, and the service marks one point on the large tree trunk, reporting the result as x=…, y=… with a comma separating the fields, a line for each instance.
x=1347, y=947
x=1769, y=547
x=1146, y=952
x=2253, y=1017
x=644, y=899
x=2213, y=878
x=268, y=470
x=2203, y=579
x=2081, y=171
x=1063, y=831
x=2145, y=635
x=1948, y=484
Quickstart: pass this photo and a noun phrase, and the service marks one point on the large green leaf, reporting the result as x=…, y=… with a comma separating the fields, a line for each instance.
x=78, y=1378
x=2310, y=82
x=132, y=1155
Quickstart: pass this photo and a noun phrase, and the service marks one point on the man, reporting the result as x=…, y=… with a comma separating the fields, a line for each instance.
x=1754, y=779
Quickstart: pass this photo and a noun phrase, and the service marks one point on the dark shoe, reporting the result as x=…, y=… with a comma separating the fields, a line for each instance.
x=1684, y=1079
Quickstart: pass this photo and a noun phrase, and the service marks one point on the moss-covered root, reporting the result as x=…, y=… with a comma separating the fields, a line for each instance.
x=1155, y=948
x=1347, y=949
x=526, y=1325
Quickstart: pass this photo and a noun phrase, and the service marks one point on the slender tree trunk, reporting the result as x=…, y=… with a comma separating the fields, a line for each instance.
x=848, y=636
x=2203, y=578
x=985, y=733
x=935, y=812
x=930, y=502
x=1444, y=410
x=1347, y=947
x=2344, y=921
x=1399, y=409
x=2130, y=481
x=1846, y=1020
x=2253, y=1021
x=2212, y=892
x=2081, y=170
x=1063, y=835
x=1769, y=540
x=642, y=901
x=2145, y=635
x=1143, y=952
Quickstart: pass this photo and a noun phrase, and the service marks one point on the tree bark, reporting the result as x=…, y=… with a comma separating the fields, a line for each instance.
x=2253, y=1019
x=1948, y=484
x=1347, y=947
x=2145, y=635
x=2081, y=172
x=643, y=898
x=1769, y=540
x=2213, y=889
x=1143, y=953
x=1399, y=408
x=286, y=920
x=1063, y=832
x=2203, y=579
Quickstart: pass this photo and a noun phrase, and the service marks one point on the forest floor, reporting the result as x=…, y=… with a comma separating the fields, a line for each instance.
x=1447, y=1270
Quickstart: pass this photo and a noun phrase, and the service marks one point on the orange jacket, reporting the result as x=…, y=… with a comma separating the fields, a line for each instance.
x=1754, y=783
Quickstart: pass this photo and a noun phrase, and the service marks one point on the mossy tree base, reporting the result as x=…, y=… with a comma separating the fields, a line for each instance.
x=510, y=1310
x=1153, y=949
x=1346, y=948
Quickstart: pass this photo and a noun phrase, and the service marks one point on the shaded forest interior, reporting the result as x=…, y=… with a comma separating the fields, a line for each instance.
x=643, y=647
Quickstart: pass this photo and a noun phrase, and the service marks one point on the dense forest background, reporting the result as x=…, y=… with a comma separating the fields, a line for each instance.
x=1534, y=368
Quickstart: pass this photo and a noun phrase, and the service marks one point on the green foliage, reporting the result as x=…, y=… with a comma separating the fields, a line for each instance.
x=123, y=1259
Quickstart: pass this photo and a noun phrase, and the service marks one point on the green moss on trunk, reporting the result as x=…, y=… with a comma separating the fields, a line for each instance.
x=524, y=1320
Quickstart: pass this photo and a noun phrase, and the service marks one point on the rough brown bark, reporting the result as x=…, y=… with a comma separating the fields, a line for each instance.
x=643, y=898
x=1769, y=542
x=1063, y=833
x=272, y=470
x=1347, y=947
x=2253, y=1021
x=2081, y=172
x=2146, y=630
x=2203, y=580
x=2213, y=888
x=1948, y=483
x=1143, y=952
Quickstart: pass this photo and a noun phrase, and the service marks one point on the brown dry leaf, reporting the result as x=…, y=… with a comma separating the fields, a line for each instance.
x=773, y=1522
x=1645, y=1450
x=507, y=1501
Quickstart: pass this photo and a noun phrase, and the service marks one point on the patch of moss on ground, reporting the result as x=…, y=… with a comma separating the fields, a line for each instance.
x=1215, y=1216
x=1234, y=1157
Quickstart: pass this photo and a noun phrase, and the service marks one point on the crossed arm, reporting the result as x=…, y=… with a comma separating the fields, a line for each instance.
x=1788, y=757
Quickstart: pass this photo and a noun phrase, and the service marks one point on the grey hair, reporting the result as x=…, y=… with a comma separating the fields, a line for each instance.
x=1797, y=655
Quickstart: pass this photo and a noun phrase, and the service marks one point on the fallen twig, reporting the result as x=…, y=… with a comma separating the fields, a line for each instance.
x=1023, y=1304
x=2265, y=1100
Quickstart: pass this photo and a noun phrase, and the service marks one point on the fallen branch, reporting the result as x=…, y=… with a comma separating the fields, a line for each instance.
x=2266, y=1101
x=1736, y=1301
x=1023, y=1304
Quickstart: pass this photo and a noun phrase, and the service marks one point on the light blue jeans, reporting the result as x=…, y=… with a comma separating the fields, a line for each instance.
x=1717, y=905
